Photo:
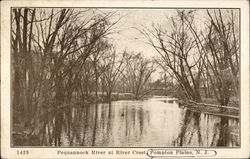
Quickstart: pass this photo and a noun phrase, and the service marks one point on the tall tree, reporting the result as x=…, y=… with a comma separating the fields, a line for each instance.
x=138, y=73
x=219, y=43
x=177, y=50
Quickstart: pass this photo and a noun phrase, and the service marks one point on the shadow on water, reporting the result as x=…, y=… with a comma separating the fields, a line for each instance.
x=223, y=132
x=227, y=134
x=190, y=127
x=85, y=124
x=58, y=128
x=211, y=131
x=95, y=125
x=137, y=123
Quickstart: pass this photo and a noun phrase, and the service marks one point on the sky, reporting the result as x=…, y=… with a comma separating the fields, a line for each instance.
x=130, y=39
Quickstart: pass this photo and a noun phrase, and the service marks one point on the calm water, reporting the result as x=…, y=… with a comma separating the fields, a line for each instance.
x=155, y=122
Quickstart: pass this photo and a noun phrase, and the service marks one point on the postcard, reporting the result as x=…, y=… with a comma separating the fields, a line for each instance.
x=125, y=79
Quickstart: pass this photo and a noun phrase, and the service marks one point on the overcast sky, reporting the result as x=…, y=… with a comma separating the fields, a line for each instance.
x=132, y=40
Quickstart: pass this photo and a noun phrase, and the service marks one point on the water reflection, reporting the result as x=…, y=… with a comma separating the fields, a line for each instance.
x=199, y=129
x=154, y=122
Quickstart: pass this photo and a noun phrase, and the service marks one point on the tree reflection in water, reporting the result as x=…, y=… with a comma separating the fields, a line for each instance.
x=221, y=133
x=137, y=123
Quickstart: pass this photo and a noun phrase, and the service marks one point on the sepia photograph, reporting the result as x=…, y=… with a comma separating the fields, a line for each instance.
x=125, y=77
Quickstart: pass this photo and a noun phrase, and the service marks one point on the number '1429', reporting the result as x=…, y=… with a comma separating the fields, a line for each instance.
x=22, y=152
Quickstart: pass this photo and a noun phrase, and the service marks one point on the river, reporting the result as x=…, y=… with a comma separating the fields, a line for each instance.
x=154, y=122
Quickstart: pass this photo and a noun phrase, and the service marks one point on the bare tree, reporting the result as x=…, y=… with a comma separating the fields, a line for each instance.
x=21, y=46
x=49, y=48
x=113, y=66
x=219, y=43
x=223, y=46
x=100, y=49
x=138, y=73
x=177, y=50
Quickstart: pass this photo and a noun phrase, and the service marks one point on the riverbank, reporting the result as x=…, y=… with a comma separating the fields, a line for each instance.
x=231, y=111
x=208, y=105
x=102, y=97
